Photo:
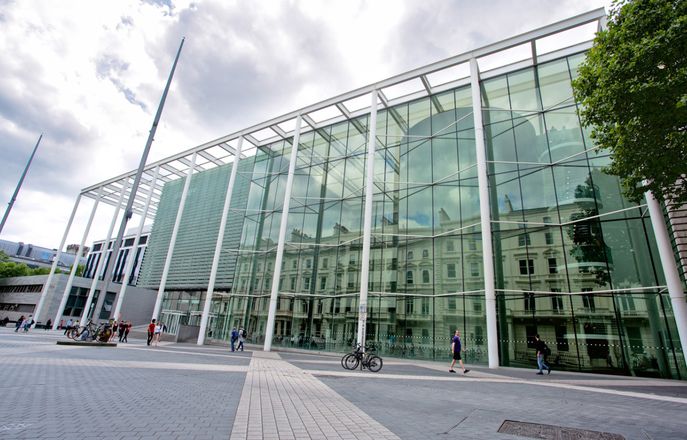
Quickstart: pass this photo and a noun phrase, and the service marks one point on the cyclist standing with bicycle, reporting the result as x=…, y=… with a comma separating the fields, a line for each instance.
x=455, y=349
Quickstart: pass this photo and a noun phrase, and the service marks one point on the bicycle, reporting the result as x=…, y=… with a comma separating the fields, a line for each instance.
x=367, y=359
x=100, y=333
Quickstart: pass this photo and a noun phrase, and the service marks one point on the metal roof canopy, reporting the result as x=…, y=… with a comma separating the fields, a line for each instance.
x=408, y=86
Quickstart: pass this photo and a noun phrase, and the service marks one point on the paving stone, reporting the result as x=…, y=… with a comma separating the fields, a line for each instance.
x=185, y=391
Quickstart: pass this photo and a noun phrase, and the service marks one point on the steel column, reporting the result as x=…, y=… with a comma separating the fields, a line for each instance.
x=46, y=286
x=172, y=241
x=130, y=262
x=665, y=250
x=269, y=330
x=367, y=223
x=70, y=281
x=485, y=218
x=103, y=256
x=218, y=245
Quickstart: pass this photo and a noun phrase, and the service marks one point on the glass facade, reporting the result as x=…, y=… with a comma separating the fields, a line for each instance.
x=574, y=261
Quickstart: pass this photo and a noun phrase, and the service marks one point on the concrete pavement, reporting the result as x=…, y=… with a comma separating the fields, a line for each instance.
x=188, y=392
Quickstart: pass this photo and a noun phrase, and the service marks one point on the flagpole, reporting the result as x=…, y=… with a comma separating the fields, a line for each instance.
x=128, y=212
x=21, y=180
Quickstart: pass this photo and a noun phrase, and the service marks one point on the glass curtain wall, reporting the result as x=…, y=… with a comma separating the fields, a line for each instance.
x=426, y=256
x=575, y=261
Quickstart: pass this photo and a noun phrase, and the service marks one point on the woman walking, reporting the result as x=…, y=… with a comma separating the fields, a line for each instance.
x=156, y=335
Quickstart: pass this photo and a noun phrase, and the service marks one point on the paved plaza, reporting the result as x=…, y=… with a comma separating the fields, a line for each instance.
x=183, y=391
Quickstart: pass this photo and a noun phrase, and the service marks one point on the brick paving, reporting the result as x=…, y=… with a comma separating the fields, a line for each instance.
x=182, y=391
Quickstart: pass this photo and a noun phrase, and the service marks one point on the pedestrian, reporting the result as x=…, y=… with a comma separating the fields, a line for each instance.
x=234, y=338
x=126, y=331
x=20, y=321
x=70, y=324
x=151, y=331
x=48, y=324
x=242, y=338
x=28, y=322
x=61, y=324
x=115, y=328
x=158, y=331
x=122, y=328
x=542, y=352
x=456, y=349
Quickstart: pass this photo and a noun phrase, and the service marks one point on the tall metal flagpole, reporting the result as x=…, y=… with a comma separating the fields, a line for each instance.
x=16, y=191
x=128, y=212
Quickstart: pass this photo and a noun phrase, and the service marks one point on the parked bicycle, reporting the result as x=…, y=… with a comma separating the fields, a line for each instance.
x=366, y=359
x=91, y=332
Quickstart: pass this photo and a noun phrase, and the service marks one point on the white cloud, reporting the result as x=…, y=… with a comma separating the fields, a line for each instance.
x=89, y=75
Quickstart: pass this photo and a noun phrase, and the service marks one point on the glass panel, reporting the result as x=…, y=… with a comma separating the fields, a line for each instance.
x=523, y=94
x=554, y=83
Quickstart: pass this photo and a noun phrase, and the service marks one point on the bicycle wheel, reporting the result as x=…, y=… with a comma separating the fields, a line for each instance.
x=343, y=360
x=374, y=363
x=350, y=361
x=74, y=334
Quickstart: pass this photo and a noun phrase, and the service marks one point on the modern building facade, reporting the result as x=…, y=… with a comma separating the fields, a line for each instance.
x=126, y=251
x=37, y=256
x=461, y=195
x=20, y=296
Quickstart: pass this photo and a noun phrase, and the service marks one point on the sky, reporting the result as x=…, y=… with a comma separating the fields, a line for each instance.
x=89, y=75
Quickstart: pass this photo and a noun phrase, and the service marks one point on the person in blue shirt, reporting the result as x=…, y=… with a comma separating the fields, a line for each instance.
x=455, y=349
x=234, y=337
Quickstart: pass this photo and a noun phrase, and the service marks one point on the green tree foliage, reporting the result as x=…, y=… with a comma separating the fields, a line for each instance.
x=9, y=268
x=12, y=269
x=633, y=90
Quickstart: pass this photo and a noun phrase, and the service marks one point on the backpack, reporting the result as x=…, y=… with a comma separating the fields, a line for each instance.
x=243, y=333
x=547, y=350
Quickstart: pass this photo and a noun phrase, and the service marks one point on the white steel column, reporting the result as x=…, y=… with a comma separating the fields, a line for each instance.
x=269, y=330
x=46, y=286
x=218, y=245
x=485, y=218
x=367, y=223
x=134, y=247
x=103, y=254
x=665, y=250
x=172, y=241
x=70, y=281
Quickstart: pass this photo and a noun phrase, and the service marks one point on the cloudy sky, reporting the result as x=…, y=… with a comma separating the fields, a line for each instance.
x=89, y=76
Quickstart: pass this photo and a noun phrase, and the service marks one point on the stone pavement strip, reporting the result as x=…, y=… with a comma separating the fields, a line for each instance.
x=281, y=401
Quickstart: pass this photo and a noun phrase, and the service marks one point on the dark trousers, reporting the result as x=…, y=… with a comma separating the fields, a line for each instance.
x=150, y=337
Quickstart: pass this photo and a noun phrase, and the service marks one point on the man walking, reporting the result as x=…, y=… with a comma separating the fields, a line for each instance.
x=151, y=331
x=70, y=324
x=455, y=349
x=126, y=331
x=541, y=348
x=234, y=337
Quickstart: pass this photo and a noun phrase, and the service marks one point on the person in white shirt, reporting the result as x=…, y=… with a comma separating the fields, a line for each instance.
x=157, y=333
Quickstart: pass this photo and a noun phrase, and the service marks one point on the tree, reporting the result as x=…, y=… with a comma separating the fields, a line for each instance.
x=11, y=269
x=633, y=91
